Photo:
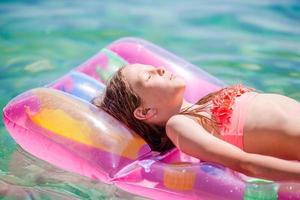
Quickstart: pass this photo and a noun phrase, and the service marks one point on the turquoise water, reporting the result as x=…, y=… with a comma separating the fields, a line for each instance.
x=254, y=43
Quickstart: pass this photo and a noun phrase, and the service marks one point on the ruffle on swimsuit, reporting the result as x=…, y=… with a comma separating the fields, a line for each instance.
x=228, y=108
x=223, y=102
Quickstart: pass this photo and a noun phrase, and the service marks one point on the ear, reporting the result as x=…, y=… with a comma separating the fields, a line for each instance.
x=144, y=113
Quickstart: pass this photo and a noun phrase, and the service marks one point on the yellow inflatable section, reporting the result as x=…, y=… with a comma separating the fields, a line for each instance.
x=76, y=121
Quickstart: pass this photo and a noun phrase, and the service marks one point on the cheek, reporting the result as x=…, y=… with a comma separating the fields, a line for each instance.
x=149, y=94
x=160, y=90
x=155, y=94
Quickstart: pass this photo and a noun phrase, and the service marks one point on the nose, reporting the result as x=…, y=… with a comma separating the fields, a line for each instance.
x=161, y=71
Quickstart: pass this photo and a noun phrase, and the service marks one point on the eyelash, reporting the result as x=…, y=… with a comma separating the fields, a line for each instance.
x=149, y=76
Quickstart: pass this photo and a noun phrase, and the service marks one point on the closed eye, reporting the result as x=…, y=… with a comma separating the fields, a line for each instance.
x=147, y=76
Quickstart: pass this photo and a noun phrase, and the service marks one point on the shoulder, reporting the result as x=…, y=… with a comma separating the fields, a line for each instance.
x=180, y=124
x=175, y=119
x=178, y=121
x=174, y=123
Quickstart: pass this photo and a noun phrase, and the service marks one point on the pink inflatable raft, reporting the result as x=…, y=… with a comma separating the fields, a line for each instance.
x=57, y=124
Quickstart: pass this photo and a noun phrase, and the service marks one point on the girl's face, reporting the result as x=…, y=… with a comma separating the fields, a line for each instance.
x=157, y=87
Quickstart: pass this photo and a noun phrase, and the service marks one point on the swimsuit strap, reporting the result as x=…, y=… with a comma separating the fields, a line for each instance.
x=222, y=103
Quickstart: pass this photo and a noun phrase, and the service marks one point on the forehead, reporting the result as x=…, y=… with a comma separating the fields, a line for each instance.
x=133, y=73
x=138, y=67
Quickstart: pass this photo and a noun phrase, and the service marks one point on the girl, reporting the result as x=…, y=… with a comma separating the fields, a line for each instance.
x=252, y=133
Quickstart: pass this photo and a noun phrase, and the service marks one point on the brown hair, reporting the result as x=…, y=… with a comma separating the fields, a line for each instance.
x=120, y=101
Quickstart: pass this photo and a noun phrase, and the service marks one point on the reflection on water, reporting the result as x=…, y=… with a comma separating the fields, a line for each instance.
x=32, y=178
x=252, y=42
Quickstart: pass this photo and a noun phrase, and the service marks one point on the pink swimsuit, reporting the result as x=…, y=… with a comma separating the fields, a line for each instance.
x=230, y=108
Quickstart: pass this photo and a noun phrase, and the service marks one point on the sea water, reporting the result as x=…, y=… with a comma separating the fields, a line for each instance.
x=256, y=43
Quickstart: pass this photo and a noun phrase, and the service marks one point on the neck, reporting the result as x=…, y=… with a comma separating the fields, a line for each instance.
x=185, y=104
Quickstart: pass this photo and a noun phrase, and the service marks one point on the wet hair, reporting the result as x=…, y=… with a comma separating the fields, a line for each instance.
x=119, y=100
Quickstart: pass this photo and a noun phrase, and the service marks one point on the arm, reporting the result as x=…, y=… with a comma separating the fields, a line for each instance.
x=196, y=141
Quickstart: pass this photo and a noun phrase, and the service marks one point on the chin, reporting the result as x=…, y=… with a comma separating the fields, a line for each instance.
x=181, y=82
x=182, y=85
